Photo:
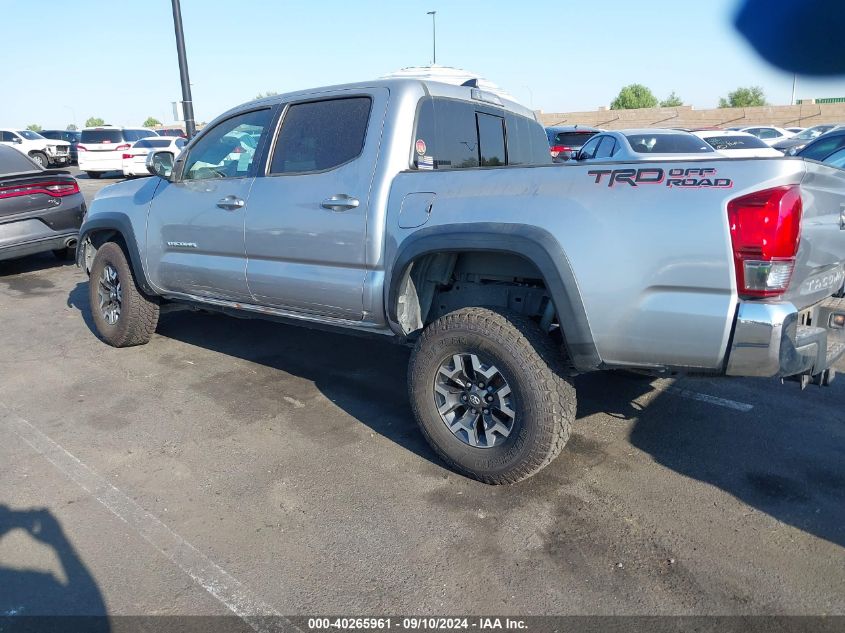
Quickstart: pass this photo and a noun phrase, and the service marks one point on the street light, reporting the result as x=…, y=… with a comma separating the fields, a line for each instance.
x=433, y=15
x=187, y=102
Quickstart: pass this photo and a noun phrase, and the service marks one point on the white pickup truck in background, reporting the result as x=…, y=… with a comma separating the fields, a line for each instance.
x=45, y=152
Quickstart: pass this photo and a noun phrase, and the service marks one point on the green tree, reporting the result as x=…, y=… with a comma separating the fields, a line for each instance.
x=269, y=93
x=34, y=127
x=744, y=98
x=151, y=122
x=634, y=96
x=94, y=121
x=71, y=127
x=672, y=101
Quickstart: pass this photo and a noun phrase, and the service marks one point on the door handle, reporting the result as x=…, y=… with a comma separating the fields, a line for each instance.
x=230, y=203
x=340, y=202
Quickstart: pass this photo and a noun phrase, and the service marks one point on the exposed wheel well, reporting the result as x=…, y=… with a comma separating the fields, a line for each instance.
x=438, y=283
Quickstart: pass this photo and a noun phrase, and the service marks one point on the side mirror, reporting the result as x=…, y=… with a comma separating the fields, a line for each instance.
x=17, y=140
x=160, y=164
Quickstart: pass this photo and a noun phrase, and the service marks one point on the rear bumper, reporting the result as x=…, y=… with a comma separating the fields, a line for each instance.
x=42, y=229
x=770, y=340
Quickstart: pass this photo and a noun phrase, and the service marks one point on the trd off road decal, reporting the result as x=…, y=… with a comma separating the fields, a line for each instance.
x=686, y=178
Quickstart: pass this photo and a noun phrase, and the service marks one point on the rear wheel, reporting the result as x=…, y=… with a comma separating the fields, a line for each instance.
x=94, y=174
x=40, y=158
x=122, y=314
x=489, y=393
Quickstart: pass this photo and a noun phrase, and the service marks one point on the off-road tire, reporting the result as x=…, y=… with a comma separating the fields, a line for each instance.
x=543, y=397
x=138, y=314
x=41, y=159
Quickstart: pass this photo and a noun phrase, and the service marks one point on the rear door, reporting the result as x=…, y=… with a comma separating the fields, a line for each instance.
x=195, y=228
x=307, y=219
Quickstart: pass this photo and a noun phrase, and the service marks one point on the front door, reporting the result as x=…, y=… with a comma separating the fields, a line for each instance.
x=195, y=229
x=306, y=224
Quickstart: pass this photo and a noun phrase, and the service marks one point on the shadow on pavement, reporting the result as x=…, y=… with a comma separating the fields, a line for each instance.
x=32, y=263
x=29, y=594
x=364, y=376
x=785, y=465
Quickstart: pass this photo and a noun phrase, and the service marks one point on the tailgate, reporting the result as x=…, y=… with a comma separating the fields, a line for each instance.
x=819, y=268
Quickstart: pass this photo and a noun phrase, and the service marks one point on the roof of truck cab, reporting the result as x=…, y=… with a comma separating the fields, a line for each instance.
x=400, y=85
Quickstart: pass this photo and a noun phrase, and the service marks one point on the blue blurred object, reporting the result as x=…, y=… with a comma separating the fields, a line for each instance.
x=801, y=36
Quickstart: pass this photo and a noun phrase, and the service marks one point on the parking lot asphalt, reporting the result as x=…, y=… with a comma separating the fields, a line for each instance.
x=246, y=466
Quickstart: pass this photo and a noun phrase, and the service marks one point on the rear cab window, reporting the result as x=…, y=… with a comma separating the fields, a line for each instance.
x=455, y=134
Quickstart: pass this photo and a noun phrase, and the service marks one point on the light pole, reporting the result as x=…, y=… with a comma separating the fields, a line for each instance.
x=433, y=15
x=187, y=102
x=794, y=81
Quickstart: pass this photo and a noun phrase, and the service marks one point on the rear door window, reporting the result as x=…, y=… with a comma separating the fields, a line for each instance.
x=321, y=135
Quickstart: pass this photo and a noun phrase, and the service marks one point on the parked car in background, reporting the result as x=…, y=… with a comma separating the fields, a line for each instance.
x=171, y=131
x=101, y=148
x=646, y=144
x=566, y=140
x=43, y=151
x=769, y=134
x=71, y=136
x=737, y=144
x=828, y=148
x=134, y=159
x=800, y=140
x=795, y=130
x=40, y=209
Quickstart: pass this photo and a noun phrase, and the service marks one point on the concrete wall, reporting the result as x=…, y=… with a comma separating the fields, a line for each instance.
x=804, y=115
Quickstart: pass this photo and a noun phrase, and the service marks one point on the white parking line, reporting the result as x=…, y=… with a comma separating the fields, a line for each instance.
x=667, y=385
x=205, y=572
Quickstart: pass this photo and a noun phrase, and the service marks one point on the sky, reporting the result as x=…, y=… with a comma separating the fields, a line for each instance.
x=558, y=56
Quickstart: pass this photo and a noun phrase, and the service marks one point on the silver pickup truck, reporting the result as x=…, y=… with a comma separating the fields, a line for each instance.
x=432, y=214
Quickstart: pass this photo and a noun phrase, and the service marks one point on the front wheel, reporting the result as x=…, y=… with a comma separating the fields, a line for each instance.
x=122, y=315
x=41, y=159
x=488, y=391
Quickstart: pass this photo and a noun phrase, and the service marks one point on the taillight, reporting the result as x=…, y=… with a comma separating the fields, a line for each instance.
x=51, y=188
x=557, y=149
x=128, y=156
x=765, y=231
x=123, y=146
x=81, y=148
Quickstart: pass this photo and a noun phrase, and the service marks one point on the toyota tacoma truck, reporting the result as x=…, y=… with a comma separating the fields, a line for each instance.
x=432, y=214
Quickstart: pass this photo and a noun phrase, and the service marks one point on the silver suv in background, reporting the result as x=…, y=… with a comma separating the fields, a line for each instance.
x=101, y=148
